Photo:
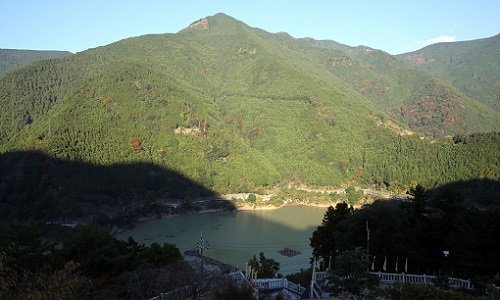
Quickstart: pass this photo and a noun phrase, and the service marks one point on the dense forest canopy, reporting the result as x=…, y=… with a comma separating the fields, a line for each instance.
x=435, y=234
x=234, y=109
x=471, y=66
x=11, y=59
x=148, y=125
x=43, y=262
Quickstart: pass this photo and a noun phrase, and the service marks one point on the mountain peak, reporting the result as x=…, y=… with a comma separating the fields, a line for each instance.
x=214, y=21
x=201, y=24
x=238, y=109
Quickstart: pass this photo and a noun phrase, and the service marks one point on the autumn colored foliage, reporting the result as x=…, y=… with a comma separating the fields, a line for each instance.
x=136, y=144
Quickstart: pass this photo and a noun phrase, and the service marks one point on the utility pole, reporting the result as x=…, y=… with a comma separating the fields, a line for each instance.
x=313, y=279
x=202, y=244
x=368, y=245
x=312, y=290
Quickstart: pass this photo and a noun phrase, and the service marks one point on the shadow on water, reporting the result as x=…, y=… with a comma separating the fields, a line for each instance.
x=271, y=232
x=34, y=186
x=234, y=237
x=37, y=187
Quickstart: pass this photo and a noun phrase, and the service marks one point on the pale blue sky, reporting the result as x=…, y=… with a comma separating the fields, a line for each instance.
x=395, y=26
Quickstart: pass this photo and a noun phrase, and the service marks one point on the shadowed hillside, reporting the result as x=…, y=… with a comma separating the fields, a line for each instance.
x=238, y=109
x=34, y=186
x=411, y=236
x=481, y=194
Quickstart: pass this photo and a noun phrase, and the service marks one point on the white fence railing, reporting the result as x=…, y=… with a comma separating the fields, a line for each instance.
x=236, y=277
x=421, y=279
x=279, y=283
x=410, y=278
x=322, y=275
x=283, y=283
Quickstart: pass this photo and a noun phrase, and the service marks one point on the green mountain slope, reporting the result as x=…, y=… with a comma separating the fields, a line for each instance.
x=473, y=67
x=235, y=109
x=11, y=59
x=420, y=101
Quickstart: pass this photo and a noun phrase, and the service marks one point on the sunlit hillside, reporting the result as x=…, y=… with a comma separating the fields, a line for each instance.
x=473, y=67
x=11, y=59
x=238, y=109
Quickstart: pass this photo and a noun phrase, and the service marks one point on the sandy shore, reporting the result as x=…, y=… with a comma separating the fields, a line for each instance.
x=244, y=207
x=289, y=203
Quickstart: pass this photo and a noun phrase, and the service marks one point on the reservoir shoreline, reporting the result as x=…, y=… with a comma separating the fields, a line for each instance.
x=235, y=236
x=246, y=207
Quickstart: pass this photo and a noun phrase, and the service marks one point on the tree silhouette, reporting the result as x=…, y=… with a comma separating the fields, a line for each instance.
x=265, y=267
x=350, y=273
x=419, y=199
x=323, y=239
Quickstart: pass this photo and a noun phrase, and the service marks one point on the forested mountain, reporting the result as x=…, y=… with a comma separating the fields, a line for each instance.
x=239, y=109
x=11, y=59
x=426, y=104
x=471, y=66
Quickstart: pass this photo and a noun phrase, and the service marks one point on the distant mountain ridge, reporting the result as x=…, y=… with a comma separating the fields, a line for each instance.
x=237, y=109
x=11, y=59
x=419, y=99
x=471, y=66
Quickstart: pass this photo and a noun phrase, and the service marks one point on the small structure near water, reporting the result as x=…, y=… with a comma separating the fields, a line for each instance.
x=289, y=252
